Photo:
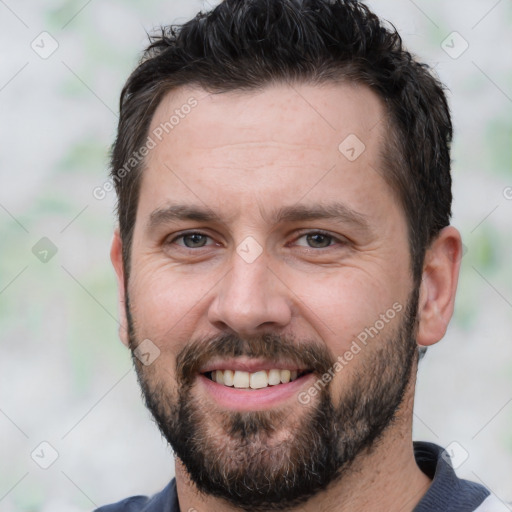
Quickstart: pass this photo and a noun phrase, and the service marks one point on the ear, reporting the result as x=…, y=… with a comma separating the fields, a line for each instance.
x=116, y=256
x=438, y=286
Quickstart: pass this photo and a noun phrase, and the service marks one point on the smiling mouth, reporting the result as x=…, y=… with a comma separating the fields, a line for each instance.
x=254, y=380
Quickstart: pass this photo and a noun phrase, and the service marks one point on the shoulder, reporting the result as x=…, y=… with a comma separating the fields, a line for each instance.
x=164, y=501
x=135, y=503
x=447, y=491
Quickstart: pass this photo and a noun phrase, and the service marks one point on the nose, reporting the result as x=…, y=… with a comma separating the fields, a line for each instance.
x=250, y=299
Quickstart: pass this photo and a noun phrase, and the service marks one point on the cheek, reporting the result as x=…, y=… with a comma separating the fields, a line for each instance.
x=166, y=306
x=342, y=305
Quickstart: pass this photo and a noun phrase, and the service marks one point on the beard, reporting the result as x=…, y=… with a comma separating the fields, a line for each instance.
x=277, y=459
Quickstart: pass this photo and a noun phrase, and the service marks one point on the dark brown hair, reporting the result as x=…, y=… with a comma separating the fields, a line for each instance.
x=248, y=44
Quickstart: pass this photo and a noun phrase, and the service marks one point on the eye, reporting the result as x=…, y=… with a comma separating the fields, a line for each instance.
x=192, y=240
x=311, y=239
x=318, y=240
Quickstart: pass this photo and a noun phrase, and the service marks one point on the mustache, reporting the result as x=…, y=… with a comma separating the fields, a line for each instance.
x=306, y=354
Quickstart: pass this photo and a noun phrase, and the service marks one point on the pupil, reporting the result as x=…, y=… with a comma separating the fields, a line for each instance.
x=319, y=240
x=195, y=239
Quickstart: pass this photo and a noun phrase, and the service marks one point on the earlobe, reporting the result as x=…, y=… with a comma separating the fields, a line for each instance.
x=438, y=286
x=116, y=256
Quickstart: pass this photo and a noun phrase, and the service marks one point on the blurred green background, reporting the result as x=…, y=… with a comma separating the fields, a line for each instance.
x=66, y=380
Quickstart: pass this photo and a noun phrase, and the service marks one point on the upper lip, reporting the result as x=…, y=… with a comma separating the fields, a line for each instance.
x=245, y=364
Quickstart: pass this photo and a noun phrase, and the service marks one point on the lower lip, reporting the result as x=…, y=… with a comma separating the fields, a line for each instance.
x=253, y=399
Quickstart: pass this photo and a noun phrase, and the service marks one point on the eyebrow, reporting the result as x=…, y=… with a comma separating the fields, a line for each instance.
x=296, y=213
x=180, y=212
x=332, y=211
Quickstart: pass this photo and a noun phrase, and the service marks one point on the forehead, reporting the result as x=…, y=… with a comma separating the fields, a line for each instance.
x=298, y=114
x=274, y=145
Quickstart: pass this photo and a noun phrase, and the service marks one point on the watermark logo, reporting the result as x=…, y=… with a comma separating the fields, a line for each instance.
x=44, y=250
x=249, y=249
x=45, y=45
x=455, y=454
x=147, y=352
x=454, y=45
x=352, y=147
x=44, y=455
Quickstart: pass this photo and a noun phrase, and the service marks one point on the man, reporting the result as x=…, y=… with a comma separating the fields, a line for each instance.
x=283, y=255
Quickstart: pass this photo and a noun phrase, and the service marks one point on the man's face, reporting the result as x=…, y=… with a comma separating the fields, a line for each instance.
x=238, y=264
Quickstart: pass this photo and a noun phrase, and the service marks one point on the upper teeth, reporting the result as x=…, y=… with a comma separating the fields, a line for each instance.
x=256, y=380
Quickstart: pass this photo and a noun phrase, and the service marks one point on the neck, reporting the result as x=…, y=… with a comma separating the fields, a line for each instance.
x=382, y=479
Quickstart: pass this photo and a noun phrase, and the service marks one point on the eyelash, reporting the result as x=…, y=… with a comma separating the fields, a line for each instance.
x=301, y=235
